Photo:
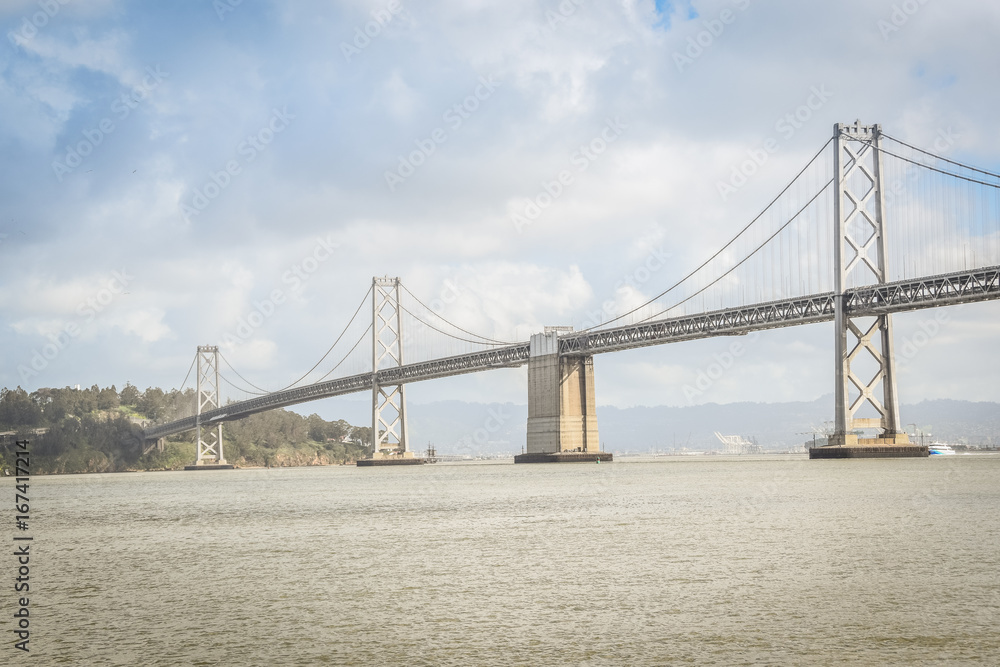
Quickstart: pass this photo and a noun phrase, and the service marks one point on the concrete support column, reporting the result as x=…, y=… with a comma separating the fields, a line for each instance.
x=562, y=409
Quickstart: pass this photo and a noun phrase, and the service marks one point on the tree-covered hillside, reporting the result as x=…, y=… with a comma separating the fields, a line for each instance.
x=99, y=430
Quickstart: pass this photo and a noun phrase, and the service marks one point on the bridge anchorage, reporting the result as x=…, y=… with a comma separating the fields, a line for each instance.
x=776, y=272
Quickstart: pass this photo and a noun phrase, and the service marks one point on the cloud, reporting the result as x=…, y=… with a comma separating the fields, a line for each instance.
x=147, y=324
x=563, y=70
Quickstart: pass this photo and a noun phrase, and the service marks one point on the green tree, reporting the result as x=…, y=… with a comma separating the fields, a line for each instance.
x=317, y=428
x=152, y=403
x=86, y=400
x=362, y=435
x=107, y=399
x=338, y=430
x=129, y=395
x=18, y=409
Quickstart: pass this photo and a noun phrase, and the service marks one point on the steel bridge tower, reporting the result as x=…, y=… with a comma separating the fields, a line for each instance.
x=861, y=258
x=209, y=447
x=389, y=401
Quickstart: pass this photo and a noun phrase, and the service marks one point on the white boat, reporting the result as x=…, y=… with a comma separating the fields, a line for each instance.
x=939, y=448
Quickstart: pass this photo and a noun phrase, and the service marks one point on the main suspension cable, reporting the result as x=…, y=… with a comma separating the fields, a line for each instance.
x=723, y=248
x=464, y=340
x=363, y=336
x=360, y=306
x=940, y=171
x=325, y=355
x=755, y=251
x=190, y=368
x=222, y=356
x=490, y=340
x=242, y=389
x=940, y=157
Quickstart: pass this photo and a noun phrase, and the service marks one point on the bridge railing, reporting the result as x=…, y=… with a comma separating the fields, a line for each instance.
x=727, y=322
x=933, y=291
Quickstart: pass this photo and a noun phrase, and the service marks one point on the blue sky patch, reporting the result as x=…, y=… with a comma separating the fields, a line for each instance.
x=667, y=8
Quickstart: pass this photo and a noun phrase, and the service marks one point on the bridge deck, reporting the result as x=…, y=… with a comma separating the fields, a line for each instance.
x=930, y=292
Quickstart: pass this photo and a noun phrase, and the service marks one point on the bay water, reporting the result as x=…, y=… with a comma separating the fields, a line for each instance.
x=697, y=560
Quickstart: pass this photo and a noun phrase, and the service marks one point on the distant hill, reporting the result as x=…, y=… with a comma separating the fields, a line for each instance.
x=455, y=427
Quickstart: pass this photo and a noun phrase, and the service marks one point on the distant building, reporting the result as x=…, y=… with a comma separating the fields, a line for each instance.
x=737, y=444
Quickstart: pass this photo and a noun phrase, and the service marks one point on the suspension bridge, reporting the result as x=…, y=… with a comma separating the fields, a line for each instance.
x=871, y=226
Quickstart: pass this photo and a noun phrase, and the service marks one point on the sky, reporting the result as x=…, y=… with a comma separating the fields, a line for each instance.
x=168, y=169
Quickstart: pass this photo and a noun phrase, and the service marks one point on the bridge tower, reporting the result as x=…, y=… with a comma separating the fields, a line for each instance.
x=209, y=446
x=389, y=401
x=861, y=258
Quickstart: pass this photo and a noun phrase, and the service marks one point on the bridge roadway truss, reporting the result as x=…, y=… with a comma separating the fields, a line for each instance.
x=894, y=297
x=934, y=291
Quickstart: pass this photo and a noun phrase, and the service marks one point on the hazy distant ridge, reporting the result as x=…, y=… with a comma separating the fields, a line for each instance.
x=455, y=427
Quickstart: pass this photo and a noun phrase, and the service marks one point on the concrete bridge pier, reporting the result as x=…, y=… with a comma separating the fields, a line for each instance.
x=562, y=408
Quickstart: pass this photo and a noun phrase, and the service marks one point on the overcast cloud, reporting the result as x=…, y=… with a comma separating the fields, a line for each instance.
x=167, y=166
